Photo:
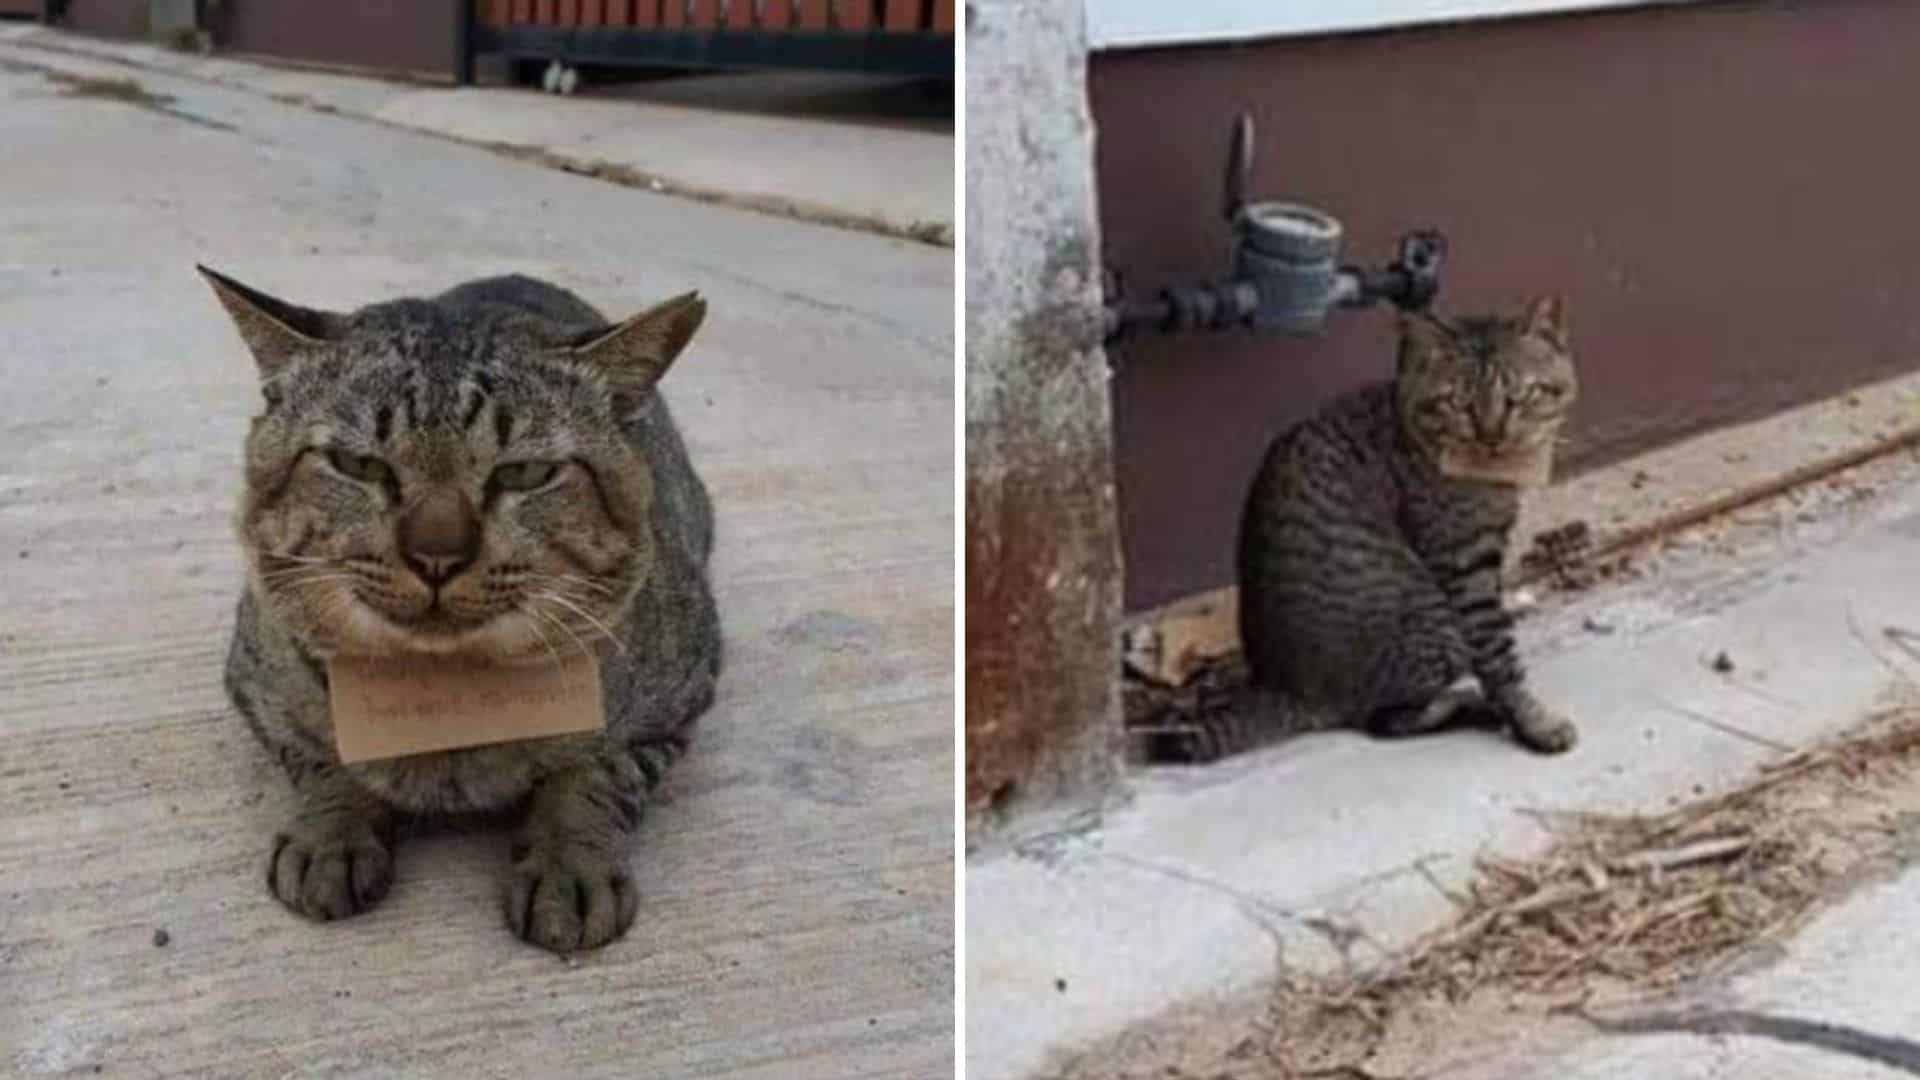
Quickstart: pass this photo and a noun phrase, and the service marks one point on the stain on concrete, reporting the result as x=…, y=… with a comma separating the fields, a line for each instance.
x=123, y=90
x=822, y=765
x=833, y=631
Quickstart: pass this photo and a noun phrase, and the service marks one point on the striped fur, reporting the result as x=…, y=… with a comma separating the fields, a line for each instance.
x=1370, y=583
x=609, y=555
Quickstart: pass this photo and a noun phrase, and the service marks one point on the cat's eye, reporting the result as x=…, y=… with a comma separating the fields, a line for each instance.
x=370, y=470
x=523, y=475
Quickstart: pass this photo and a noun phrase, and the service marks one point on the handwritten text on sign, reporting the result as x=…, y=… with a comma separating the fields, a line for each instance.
x=415, y=705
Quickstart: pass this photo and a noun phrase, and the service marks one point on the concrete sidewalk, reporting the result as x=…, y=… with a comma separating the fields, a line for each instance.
x=796, y=881
x=883, y=177
x=1338, y=849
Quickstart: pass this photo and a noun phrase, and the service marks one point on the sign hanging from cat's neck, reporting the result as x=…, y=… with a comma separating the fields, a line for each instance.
x=419, y=704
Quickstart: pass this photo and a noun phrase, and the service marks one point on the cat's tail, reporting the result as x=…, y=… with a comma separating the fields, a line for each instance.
x=1254, y=717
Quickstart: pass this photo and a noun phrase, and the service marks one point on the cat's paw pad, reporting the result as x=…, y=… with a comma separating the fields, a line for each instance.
x=569, y=899
x=1545, y=732
x=329, y=874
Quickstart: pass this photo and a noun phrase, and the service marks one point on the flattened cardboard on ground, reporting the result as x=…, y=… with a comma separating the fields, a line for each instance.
x=393, y=708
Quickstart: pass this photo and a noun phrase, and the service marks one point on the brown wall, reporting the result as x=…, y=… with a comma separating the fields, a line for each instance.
x=20, y=7
x=117, y=18
x=416, y=37
x=1725, y=191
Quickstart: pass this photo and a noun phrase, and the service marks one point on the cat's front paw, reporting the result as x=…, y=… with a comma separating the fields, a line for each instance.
x=330, y=870
x=567, y=898
x=1541, y=729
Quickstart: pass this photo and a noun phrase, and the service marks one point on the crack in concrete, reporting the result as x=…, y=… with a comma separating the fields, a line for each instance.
x=1896, y=1053
x=1426, y=873
x=1247, y=901
x=1270, y=918
x=1722, y=726
x=1747, y=686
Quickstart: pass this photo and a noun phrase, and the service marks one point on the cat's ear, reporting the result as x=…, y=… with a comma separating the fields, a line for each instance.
x=274, y=330
x=636, y=353
x=1547, y=318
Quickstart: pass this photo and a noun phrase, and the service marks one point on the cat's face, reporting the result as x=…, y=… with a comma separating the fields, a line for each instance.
x=1490, y=389
x=425, y=484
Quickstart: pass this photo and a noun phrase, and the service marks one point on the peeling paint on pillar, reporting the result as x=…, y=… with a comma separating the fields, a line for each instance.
x=1043, y=573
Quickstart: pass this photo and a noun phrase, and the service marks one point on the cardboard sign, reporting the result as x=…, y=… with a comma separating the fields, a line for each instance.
x=1531, y=468
x=392, y=708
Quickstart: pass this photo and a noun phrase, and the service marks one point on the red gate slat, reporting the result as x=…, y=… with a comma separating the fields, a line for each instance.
x=943, y=16
x=903, y=14
x=593, y=12
x=853, y=14
x=569, y=13
x=778, y=15
x=704, y=14
x=813, y=14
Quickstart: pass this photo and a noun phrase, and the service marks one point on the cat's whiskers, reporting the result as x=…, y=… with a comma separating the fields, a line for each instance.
x=270, y=557
x=548, y=617
x=582, y=612
x=562, y=581
x=540, y=635
x=312, y=578
x=303, y=571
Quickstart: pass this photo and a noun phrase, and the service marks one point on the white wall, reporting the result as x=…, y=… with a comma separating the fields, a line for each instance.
x=1120, y=24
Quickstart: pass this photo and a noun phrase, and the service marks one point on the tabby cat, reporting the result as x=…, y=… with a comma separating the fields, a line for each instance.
x=1373, y=538
x=490, y=473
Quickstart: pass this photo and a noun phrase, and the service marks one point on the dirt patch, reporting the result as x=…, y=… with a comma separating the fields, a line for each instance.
x=1619, y=909
x=124, y=90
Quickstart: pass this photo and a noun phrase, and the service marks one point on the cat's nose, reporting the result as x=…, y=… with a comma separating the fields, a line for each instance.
x=440, y=535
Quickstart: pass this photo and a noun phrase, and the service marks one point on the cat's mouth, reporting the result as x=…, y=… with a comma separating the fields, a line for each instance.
x=1509, y=463
x=434, y=627
x=438, y=621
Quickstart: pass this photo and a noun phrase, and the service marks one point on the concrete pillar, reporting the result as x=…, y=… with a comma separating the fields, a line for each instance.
x=1043, y=569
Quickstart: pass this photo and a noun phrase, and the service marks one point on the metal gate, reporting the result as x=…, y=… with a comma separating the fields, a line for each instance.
x=438, y=39
x=904, y=37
